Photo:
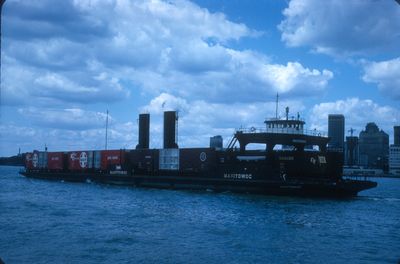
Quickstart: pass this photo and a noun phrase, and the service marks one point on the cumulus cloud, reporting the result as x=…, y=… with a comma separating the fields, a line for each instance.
x=386, y=74
x=166, y=102
x=294, y=75
x=28, y=85
x=58, y=58
x=71, y=119
x=66, y=129
x=357, y=114
x=342, y=28
x=12, y=137
x=248, y=77
x=74, y=53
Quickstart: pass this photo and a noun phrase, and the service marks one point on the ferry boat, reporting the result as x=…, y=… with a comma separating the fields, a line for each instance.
x=293, y=161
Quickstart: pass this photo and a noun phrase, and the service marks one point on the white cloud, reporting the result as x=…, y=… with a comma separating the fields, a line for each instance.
x=58, y=58
x=29, y=85
x=70, y=119
x=13, y=137
x=386, y=74
x=294, y=75
x=248, y=77
x=357, y=114
x=63, y=130
x=342, y=28
x=83, y=56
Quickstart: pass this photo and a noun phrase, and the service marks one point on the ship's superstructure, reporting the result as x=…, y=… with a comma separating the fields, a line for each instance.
x=295, y=161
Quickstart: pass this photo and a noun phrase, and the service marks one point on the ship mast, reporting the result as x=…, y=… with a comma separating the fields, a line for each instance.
x=106, y=130
x=276, y=107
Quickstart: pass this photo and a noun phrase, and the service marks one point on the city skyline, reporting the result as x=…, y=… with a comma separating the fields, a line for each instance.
x=219, y=63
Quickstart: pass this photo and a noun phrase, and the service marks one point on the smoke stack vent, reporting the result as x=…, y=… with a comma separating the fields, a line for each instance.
x=170, y=119
x=144, y=131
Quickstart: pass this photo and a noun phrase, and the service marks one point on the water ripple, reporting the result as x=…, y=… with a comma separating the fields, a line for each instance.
x=61, y=222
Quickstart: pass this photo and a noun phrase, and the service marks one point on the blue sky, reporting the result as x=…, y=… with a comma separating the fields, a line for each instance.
x=219, y=63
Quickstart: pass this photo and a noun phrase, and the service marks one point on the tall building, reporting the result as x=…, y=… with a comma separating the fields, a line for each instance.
x=336, y=131
x=396, y=135
x=216, y=142
x=394, y=160
x=373, y=147
x=394, y=153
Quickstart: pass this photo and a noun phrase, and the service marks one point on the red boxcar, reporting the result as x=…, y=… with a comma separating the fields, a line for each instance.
x=80, y=160
x=28, y=161
x=112, y=158
x=55, y=160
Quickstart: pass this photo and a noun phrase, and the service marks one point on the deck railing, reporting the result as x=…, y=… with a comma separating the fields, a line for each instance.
x=287, y=130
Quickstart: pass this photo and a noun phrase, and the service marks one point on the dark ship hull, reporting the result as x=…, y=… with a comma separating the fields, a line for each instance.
x=344, y=188
x=261, y=172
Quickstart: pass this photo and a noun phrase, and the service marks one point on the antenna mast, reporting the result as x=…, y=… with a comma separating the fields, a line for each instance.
x=106, y=130
x=276, y=107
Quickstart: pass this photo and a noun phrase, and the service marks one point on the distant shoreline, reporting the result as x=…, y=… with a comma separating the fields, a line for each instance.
x=13, y=160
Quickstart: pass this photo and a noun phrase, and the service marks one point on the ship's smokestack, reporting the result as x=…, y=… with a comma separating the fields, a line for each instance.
x=170, y=119
x=144, y=131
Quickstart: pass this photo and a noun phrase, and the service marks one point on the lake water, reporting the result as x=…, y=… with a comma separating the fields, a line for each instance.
x=59, y=222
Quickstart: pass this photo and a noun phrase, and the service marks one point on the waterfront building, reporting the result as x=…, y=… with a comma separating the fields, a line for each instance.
x=394, y=160
x=351, y=151
x=394, y=153
x=396, y=135
x=373, y=147
x=336, y=131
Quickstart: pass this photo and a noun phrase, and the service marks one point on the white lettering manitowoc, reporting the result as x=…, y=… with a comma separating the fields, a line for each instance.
x=241, y=176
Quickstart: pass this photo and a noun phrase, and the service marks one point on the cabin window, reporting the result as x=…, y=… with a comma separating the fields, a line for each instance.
x=256, y=146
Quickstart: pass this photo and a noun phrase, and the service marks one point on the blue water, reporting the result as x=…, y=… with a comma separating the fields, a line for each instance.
x=59, y=222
